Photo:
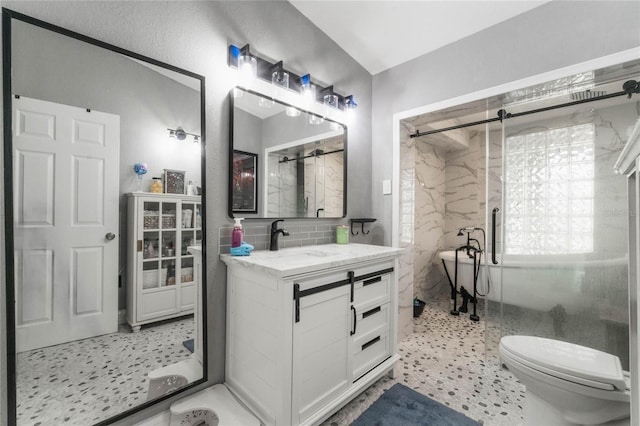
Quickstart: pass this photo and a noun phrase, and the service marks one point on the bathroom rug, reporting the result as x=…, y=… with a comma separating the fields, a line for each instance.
x=188, y=344
x=402, y=406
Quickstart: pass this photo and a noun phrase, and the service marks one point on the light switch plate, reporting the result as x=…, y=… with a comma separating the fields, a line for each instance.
x=386, y=187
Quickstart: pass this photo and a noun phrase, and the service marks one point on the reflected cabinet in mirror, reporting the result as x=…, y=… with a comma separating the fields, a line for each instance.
x=285, y=162
x=103, y=266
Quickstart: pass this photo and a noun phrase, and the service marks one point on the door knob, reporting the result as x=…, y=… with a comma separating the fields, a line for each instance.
x=110, y=236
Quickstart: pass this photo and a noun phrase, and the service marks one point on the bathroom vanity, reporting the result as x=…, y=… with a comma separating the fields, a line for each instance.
x=309, y=328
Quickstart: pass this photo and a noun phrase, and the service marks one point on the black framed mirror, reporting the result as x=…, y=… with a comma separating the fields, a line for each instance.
x=103, y=279
x=302, y=159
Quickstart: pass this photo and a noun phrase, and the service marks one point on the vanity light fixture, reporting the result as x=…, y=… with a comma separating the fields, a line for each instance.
x=350, y=103
x=181, y=135
x=252, y=66
x=307, y=89
x=350, y=106
x=329, y=99
x=246, y=64
x=279, y=76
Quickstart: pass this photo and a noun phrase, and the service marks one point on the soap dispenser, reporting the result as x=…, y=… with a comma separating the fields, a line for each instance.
x=236, y=234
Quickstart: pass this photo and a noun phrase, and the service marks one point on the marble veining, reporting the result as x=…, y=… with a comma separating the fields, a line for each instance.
x=293, y=261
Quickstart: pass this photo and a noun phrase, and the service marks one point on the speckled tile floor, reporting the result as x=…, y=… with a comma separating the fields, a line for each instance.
x=83, y=382
x=445, y=359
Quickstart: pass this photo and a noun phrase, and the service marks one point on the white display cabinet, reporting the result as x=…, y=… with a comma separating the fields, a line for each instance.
x=160, y=282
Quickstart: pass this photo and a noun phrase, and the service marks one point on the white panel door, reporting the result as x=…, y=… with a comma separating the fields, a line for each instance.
x=66, y=163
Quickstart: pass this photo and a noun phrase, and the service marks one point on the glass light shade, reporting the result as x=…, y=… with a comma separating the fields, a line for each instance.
x=331, y=101
x=309, y=93
x=248, y=67
x=280, y=78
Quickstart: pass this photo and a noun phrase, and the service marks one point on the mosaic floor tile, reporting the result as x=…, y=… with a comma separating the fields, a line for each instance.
x=445, y=359
x=89, y=380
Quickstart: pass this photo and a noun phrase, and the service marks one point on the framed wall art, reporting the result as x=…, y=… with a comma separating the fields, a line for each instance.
x=174, y=181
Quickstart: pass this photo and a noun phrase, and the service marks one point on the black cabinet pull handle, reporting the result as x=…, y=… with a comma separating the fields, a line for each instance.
x=493, y=235
x=371, y=312
x=355, y=320
x=351, y=276
x=296, y=298
x=372, y=281
x=370, y=342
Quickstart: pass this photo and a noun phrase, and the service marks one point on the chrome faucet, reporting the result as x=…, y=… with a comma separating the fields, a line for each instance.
x=273, y=246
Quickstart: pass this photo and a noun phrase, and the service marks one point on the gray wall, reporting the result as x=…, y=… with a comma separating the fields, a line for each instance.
x=146, y=101
x=195, y=36
x=555, y=35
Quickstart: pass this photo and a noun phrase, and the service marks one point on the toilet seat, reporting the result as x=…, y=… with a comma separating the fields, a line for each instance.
x=214, y=406
x=566, y=361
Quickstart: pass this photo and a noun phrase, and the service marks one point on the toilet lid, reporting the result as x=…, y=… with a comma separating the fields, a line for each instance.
x=567, y=361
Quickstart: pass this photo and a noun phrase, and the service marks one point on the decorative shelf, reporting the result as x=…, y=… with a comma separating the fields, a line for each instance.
x=361, y=221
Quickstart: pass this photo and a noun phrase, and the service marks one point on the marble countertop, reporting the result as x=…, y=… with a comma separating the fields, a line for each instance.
x=299, y=260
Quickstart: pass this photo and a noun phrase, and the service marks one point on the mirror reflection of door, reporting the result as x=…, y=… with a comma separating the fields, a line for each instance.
x=66, y=219
x=76, y=356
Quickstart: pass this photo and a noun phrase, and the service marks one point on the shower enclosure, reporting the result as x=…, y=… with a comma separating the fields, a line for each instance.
x=555, y=263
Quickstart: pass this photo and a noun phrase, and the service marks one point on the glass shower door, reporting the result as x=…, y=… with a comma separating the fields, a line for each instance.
x=562, y=239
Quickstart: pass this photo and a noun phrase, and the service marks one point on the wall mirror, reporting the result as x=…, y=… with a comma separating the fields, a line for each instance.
x=105, y=288
x=301, y=156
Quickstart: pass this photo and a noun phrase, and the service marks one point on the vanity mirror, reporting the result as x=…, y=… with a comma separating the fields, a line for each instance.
x=79, y=115
x=301, y=156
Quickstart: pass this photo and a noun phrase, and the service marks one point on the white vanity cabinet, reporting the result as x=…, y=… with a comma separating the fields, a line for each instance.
x=160, y=269
x=308, y=329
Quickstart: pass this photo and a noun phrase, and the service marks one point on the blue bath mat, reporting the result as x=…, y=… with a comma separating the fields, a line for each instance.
x=401, y=406
x=188, y=344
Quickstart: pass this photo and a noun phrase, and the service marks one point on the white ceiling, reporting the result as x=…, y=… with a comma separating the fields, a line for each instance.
x=381, y=34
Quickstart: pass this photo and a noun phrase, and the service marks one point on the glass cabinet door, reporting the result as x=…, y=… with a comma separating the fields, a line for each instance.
x=169, y=228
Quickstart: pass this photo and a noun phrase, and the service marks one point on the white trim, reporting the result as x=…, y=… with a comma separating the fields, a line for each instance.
x=626, y=162
x=605, y=61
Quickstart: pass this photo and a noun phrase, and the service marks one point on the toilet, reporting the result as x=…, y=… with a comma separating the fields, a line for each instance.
x=567, y=384
x=213, y=406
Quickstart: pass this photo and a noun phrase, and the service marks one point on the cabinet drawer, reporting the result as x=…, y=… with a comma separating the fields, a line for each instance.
x=370, y=319
x=372, y=291
x=369, y=351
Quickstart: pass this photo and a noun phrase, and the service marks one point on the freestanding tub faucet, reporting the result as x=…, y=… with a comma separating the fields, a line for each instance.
x=273, y=246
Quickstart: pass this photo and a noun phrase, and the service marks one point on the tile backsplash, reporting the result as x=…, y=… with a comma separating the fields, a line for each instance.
x=300, y=234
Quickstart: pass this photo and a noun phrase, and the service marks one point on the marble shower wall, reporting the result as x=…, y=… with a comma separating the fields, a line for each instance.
x=430, y=223
x=333, y=184
x=407, y=232
x=464, y=191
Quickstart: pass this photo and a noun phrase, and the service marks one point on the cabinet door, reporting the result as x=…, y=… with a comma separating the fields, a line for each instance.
x=321, y=366
x=156, y=292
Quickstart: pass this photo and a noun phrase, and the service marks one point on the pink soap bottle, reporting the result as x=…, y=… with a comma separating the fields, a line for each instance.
x=236, y=234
